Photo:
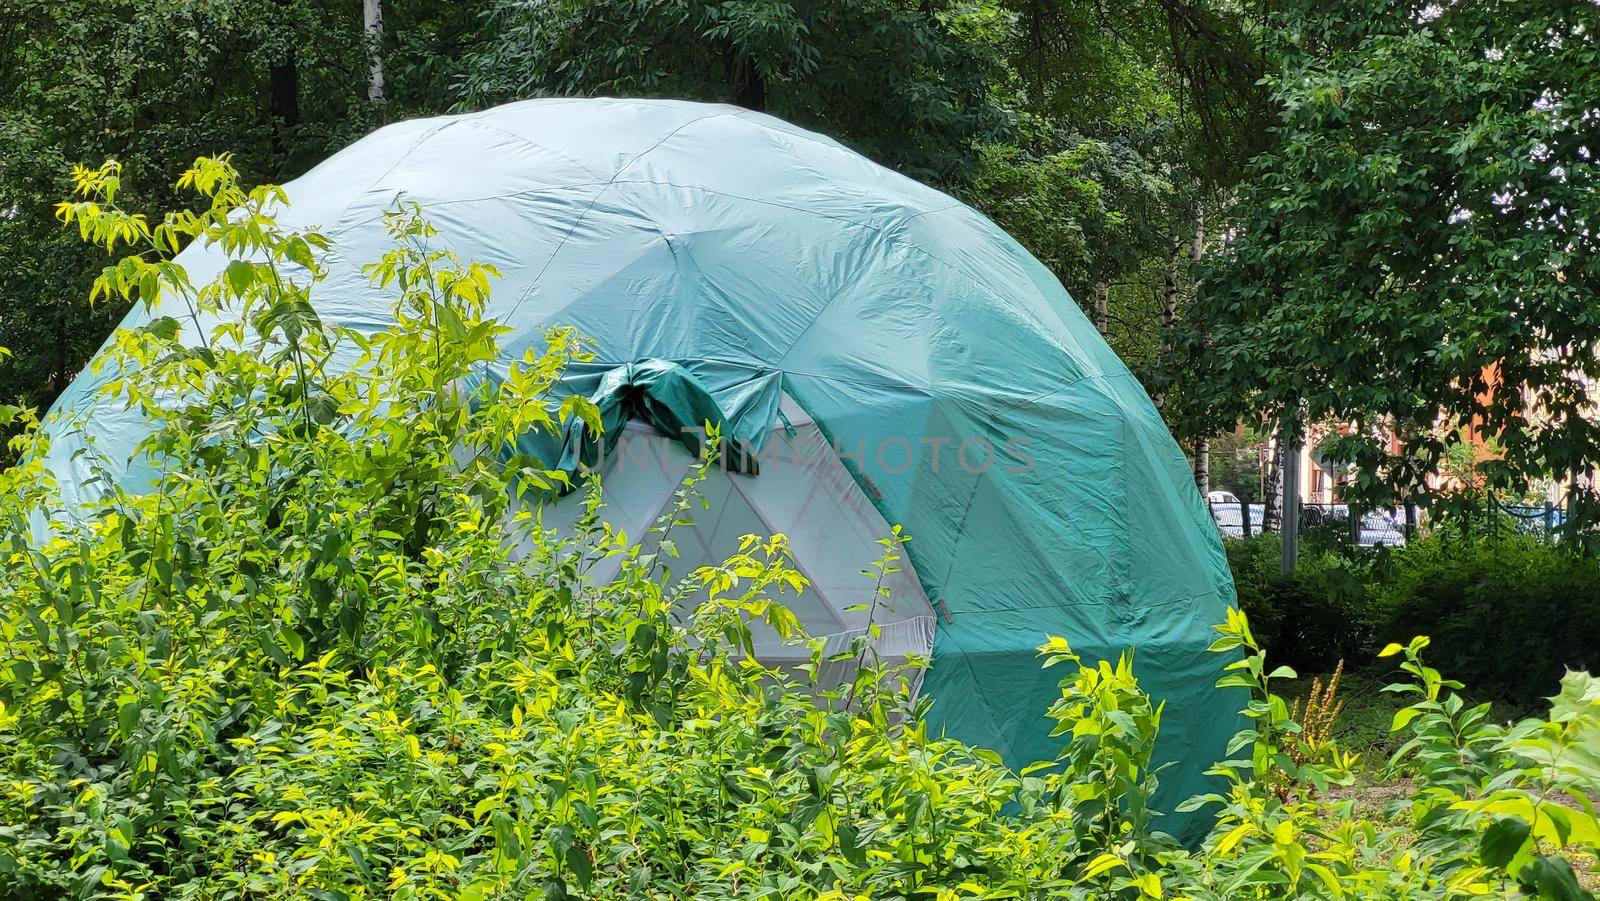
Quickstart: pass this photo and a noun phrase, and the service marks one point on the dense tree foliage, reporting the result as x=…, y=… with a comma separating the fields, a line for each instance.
x=154, y=85
x=1418, y=251
x=909, y=84
x=279, y=85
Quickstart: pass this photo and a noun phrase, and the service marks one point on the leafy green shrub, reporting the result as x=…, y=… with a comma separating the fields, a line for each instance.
x=1311, y=618
x=307, y=664
x=1487, y=806
x=1509, y=613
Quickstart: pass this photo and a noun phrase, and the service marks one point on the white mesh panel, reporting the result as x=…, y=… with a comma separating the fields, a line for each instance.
x=802, y=491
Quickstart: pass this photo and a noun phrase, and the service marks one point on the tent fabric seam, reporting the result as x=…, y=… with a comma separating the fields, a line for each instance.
x=422, y=139
x=888, y=234
x=761, y=516
x=571, y=229
x=967, y=660
x=478, y=119
x=1152, y=605
x=955, y=544
x=612, y=182
x=463, y=200
x=903, y=386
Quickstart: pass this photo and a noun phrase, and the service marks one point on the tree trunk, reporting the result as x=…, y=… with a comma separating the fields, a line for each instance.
x=749, y=89
x=1169, y=294
x=373, y=10
x=1102, y=307
x=1272, y=488
x=1289, y=500
x=1197, y=246
x=283, y=101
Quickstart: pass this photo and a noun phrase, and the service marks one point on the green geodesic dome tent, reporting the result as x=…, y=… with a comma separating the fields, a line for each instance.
x=884, y=353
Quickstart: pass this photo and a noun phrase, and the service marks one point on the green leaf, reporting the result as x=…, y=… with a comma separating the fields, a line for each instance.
x=240, y=275
x=128, y=717
x=1103, y=864
x=1502, y=840
x=581, y=867
x=299, y=253
x=1403, y=716
x=1552, y=878
x=291, y=638
x=505, y=836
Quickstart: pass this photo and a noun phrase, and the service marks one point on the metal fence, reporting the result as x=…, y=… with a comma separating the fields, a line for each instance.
x=1534, y=520
x=1376, y=528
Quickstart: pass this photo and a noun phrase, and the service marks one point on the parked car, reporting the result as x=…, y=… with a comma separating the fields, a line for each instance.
x=1382, y=527
x=1378, y=527
x=1228, y=514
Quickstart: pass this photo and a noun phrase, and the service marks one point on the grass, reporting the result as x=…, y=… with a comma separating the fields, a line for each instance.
x=1363, y=728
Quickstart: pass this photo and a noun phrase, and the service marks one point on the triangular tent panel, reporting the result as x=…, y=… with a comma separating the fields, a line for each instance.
x=725, y=261
x=801, y=490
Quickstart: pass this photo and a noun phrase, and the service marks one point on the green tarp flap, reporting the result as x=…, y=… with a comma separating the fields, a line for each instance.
x=740, y=404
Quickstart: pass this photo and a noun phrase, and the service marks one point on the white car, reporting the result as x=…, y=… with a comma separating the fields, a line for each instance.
x=1229, y=515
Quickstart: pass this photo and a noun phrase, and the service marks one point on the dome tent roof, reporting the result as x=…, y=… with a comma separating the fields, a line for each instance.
x=958, y=382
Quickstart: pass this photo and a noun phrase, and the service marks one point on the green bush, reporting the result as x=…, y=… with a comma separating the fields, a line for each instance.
x=1508, y=613
x=307, y=664
x=1311, y=618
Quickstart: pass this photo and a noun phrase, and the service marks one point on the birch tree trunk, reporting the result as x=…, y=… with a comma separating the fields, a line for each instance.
x=1169, y=306
x=1272, y=488
x=1102, y=307
x=1202, y=445
x=373, y=10
x=1169, y=294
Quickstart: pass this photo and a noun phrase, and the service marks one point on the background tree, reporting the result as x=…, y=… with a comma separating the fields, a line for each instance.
x=154, y=84
x=1098, y=178
x=908, y=84
x=1417, y=252
x=1148, y=110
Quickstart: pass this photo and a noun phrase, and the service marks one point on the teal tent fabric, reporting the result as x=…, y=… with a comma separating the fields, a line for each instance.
x=963, y=390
